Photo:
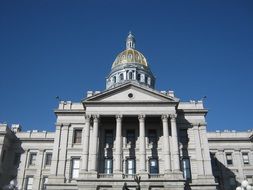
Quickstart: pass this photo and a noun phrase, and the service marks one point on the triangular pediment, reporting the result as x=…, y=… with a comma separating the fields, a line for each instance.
x=130, y=93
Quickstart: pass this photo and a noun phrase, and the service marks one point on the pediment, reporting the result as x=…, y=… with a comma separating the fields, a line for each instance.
x=130, y=93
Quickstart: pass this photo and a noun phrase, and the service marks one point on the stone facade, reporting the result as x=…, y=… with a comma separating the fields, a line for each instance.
x=128, y=130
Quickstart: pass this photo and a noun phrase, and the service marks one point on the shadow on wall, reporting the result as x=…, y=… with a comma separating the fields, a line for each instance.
x=11, y=162
x=225, y=177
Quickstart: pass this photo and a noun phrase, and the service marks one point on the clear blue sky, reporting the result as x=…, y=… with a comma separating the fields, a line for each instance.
x=64, y=48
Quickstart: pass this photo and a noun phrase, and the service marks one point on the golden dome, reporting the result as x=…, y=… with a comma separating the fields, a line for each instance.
x=130, y=56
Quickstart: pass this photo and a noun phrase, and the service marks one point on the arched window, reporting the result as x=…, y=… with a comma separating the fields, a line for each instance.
x=130, y=76
x=139, y=77
x=114, y=79
x=121, y=76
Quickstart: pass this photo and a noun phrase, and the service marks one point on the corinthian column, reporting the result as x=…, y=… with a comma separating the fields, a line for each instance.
x=94, y=147
x=166, y=145
x=142, y=144
x=118, y=140
x=85, y=139
x=175, y=152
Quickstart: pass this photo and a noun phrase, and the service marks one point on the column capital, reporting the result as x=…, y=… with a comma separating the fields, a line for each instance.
x=173, y=116
x=141, y=116
x=165, y=116
x=95, y=117
x=87, y=117
x=119, y=117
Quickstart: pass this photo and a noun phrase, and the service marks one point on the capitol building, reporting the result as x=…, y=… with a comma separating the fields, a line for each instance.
x=128, y=136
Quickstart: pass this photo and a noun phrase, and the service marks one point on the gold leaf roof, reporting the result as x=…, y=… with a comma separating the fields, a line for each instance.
x=130, y=56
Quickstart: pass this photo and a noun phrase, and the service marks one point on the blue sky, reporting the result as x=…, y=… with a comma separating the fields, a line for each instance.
x=64, y=48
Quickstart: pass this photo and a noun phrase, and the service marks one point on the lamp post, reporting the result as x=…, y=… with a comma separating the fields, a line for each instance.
x=245, y=186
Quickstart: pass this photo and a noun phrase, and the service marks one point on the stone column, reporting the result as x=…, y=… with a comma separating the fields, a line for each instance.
x=142, y=144
x=166, y=145
x=175, y=152
x=199, y=157
x=94, y=143
x=85, y=142
x=205, y=150
x=56, y=148
x=118, y=150
x=63, y=150
x=37, y=182
x=22, y=166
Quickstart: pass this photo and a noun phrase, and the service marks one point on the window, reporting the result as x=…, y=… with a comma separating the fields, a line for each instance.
x=29, y=183
x=16, y=159
x=139, y=77
x=131, y=137
x=217, y=180
x=229, y=158
x=214, y=161
x=130, y=166
x=78, y=136
x=45, y=180
x=121, y=76
x=48, y=159
x=249, y=178
x=245, y=157
x=130, y=75
x=114, y=79
x=108, y=166
x=75, y=168
x=152, y=137
x=32, y=159
x=109, y=137
x=186, y=168
x=153, y=166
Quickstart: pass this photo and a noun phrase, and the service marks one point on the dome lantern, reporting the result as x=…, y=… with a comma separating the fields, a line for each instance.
x=130, y=41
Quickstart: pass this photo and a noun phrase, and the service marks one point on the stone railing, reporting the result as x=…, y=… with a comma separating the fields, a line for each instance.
x=102, y=175
x=127, y=176
x=154, y=176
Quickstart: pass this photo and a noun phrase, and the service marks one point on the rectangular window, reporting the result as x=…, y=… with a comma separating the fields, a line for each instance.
x=48, y=159
x=153, y=166
x=45, y=180
x=109, y=137
x=75, y=168
x=16, y=159
x=32, y=159
x=186, y=168
x=152, y=137
x=78, y=136
x=249, y=178
x=130, y=166
x=131, y=137
x=229, y=158
x=245, y=157
x=108, y=166
x=214, y=160
x=29, y=183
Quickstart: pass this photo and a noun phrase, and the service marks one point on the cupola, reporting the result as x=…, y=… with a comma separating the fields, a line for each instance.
x=130, y=65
